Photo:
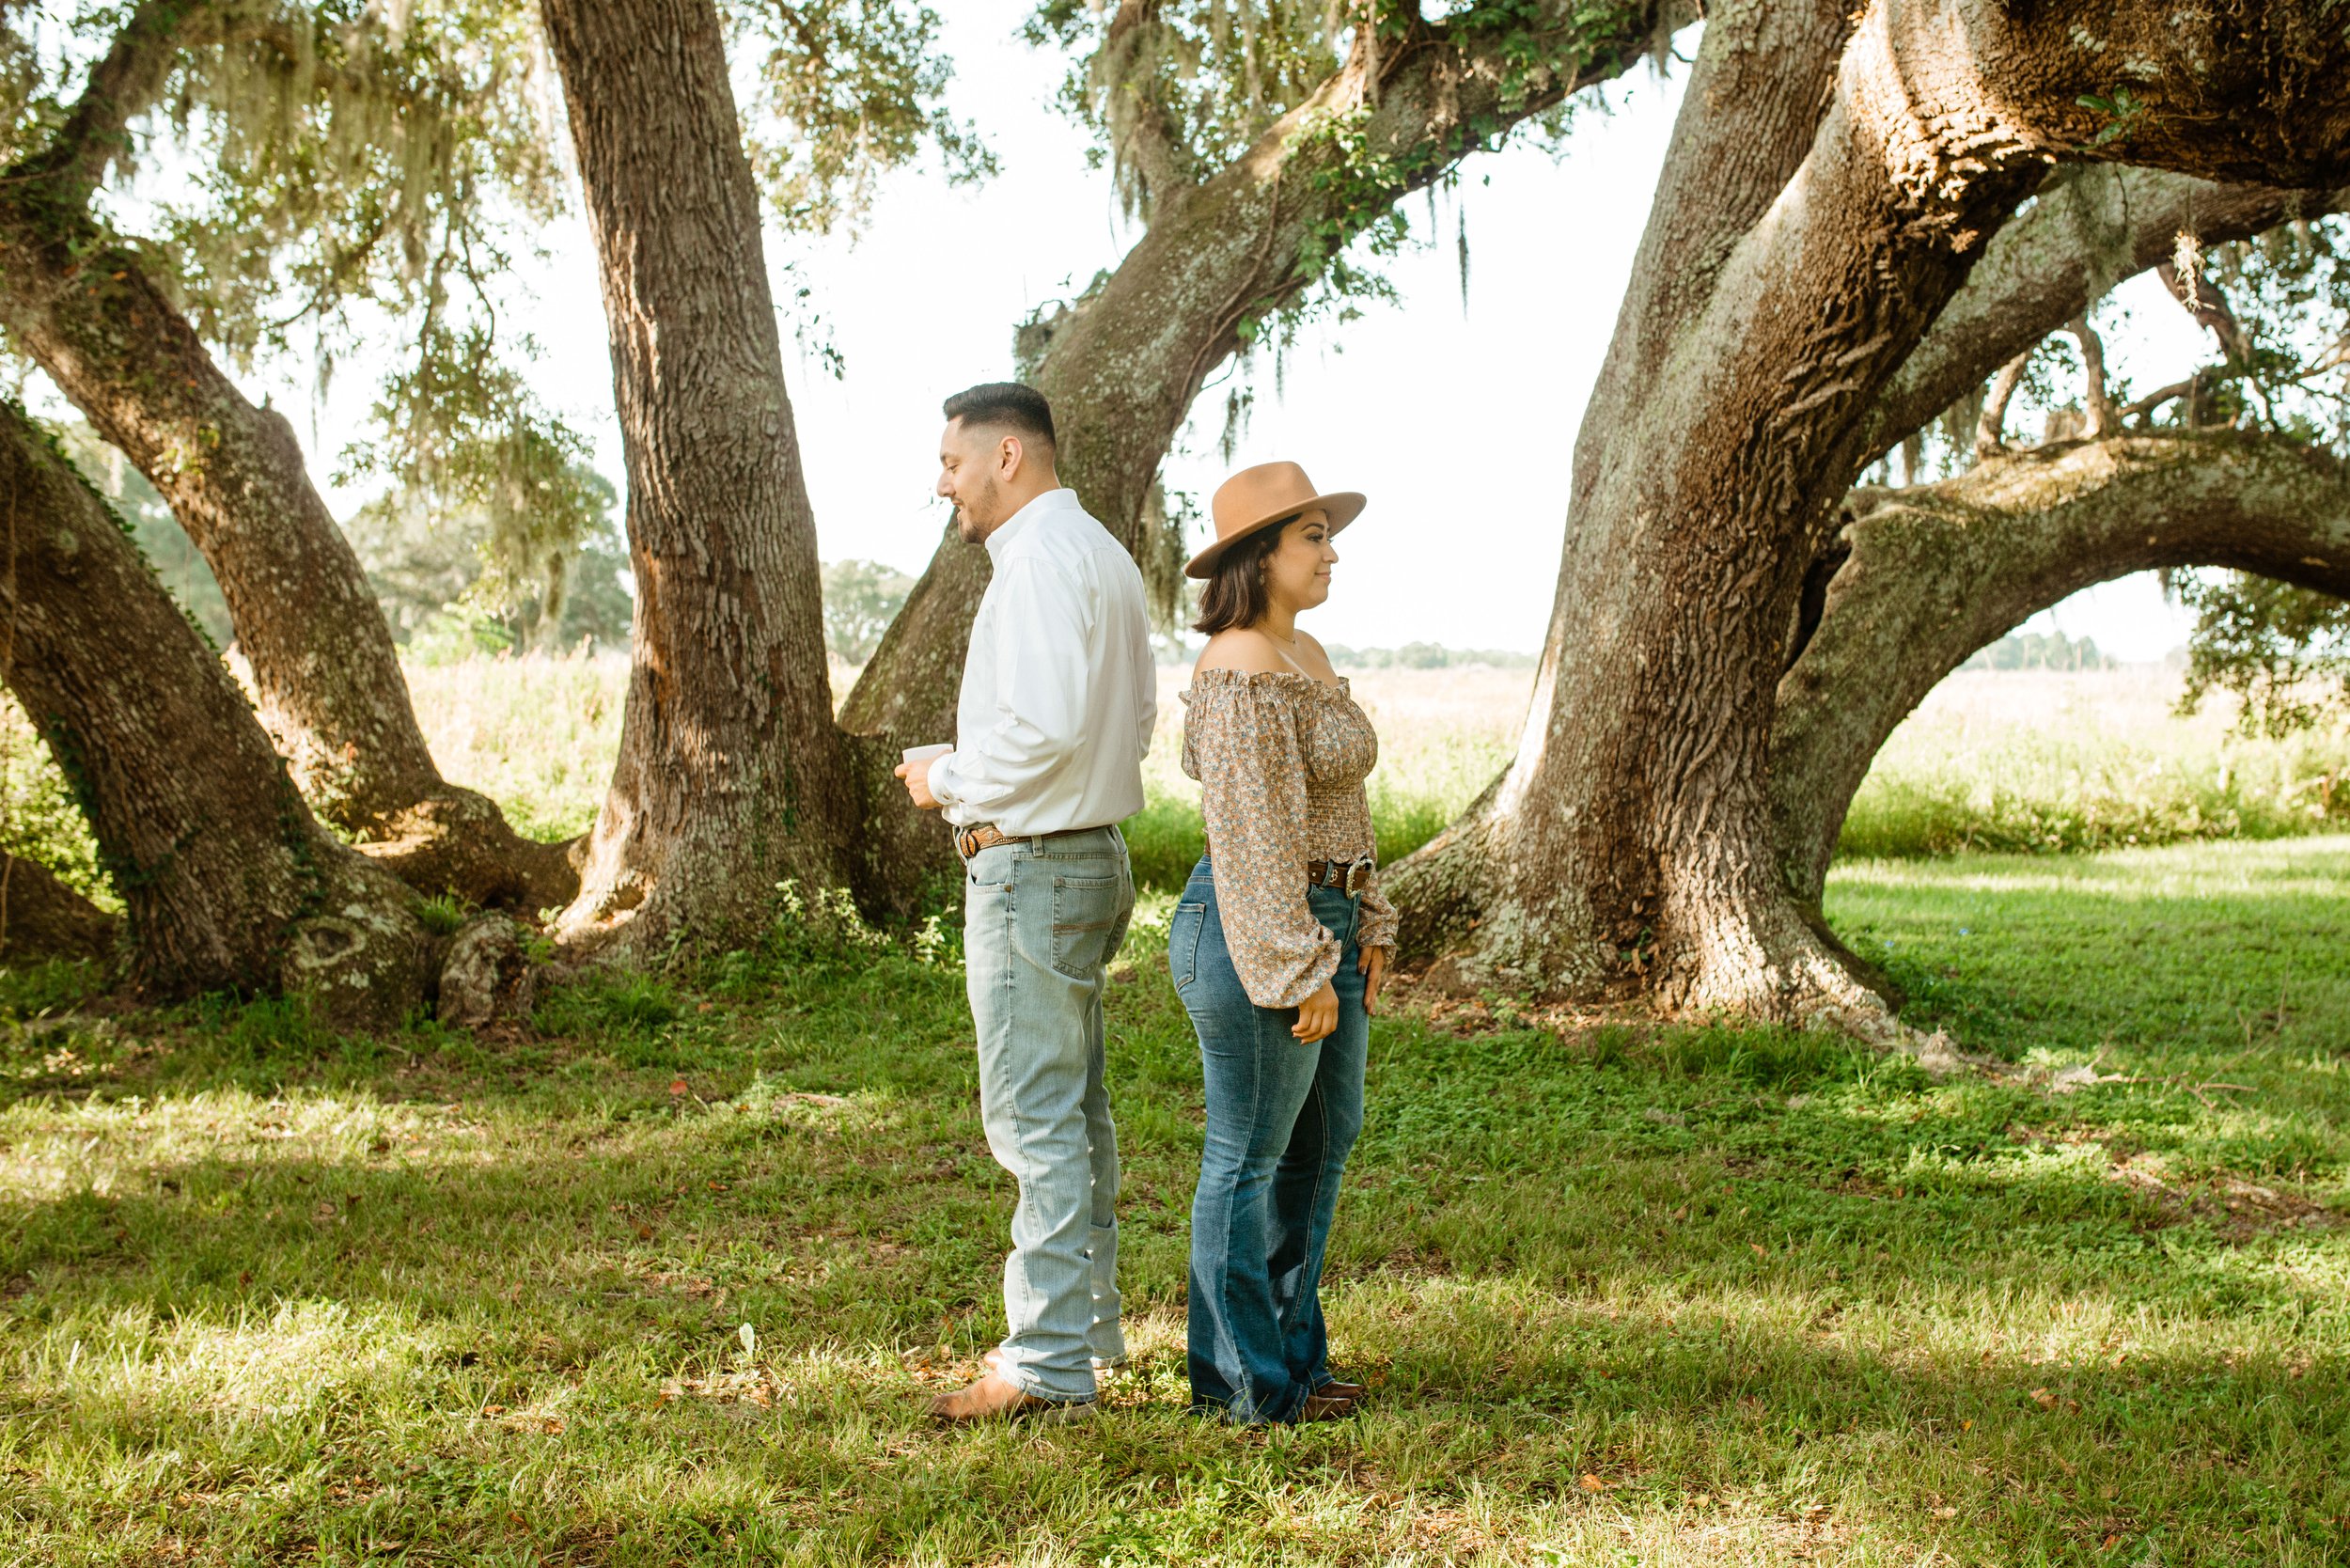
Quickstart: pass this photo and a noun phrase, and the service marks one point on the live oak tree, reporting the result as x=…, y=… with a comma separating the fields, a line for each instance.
x=1831, y=186
x=360, y=157
x=227, y=880
x=1257, y=141
x=1934, y=571
x=730, y=778
x=330, y=142
x=1303, y=165
x=2239, y=466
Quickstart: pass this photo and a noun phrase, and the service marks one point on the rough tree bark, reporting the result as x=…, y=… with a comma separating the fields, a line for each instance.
x=324, y=667
x=1123, y=366
x=1635, y=820
x=1939, y=571
x=730, y=777
x=228, y=880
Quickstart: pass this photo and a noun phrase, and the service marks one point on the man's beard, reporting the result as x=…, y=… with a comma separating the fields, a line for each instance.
x=966, y=521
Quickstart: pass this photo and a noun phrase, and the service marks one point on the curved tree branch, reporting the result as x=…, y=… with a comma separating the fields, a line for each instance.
x=2085, y=233
x=2209, y=308
x=1940, y=571
x=1991, y=429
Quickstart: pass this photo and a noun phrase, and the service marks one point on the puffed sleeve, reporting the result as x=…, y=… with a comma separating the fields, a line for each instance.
x=1241, y=733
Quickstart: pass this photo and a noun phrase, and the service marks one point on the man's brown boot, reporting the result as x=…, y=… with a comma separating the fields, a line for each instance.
x=1337, y=1387
x=1322, y=1405
x=995, y=1398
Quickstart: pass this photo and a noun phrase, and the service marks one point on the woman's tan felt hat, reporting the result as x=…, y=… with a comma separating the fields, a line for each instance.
x=1258, y=497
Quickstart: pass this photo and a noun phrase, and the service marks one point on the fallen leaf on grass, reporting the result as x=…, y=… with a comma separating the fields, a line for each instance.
x=1945, y=1512
x=1757, y=1249
x=644, y=1232
x=677, y=1086
x=1593, y=1483
x=2044, y=1399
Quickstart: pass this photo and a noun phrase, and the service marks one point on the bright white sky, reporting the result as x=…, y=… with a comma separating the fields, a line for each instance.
x=1458, y=424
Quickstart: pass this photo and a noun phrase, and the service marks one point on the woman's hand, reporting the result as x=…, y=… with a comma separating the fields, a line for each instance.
x=1317, y=1016
x=1373, y=962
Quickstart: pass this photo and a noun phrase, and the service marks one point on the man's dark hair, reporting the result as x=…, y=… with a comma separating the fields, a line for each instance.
x=1235, y=594
x=1020, y=409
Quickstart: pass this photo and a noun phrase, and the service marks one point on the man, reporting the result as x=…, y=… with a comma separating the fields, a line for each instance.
x=1059, y=698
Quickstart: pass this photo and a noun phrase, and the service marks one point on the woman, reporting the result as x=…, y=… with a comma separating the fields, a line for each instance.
x=1279, y=948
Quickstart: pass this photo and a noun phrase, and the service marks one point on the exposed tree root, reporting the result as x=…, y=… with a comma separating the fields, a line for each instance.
x=457, y=841
x=40, y=917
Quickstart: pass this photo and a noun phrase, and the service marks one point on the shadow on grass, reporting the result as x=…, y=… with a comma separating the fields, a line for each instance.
x=1681, y=1294
x=1826, y=1296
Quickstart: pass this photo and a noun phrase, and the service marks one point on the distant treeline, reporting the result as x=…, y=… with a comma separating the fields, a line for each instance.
x=1412, y=655
x=2041, y=650
x=1428, y=655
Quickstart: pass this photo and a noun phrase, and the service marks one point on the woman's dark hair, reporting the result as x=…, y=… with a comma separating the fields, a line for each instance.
x=1236, y=593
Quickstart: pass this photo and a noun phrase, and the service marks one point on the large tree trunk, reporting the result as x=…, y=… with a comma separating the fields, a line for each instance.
x=1124, y=364
x=227, y=880
x=1936, y=572
x=1635, y=820
x=730, y=777
x=324, y=667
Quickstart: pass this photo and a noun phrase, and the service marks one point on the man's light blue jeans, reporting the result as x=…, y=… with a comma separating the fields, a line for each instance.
x=1042, y=919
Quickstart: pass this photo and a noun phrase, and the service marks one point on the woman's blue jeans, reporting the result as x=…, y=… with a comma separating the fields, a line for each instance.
x=1282, y=1117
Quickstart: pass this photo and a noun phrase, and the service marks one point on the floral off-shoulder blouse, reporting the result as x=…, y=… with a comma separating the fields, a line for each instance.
x=1281, y=759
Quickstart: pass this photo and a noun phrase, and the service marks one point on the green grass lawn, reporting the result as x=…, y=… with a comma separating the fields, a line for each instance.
x=670, y=1282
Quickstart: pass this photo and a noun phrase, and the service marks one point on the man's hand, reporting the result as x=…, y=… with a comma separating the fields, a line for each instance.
x=1373, y=962
x=917, y=777
x=1317, y=1016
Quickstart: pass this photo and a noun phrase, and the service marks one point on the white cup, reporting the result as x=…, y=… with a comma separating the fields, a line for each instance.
x=914, y=753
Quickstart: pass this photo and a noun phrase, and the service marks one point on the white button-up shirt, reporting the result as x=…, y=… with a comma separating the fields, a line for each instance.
x=1058, y=693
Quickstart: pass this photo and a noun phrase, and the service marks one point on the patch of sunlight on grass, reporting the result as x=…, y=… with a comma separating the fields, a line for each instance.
x=136, y=1362
x=1679, y=1294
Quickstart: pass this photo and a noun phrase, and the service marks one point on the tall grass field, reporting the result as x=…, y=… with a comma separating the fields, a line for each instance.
x=668, y=1277
x=2027, y=760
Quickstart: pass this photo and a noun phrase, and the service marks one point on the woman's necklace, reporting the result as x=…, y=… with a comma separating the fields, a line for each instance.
x=1289, y=642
